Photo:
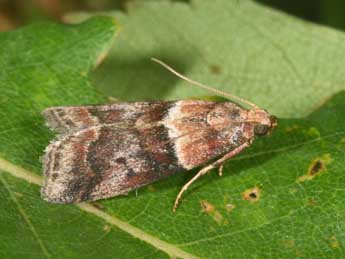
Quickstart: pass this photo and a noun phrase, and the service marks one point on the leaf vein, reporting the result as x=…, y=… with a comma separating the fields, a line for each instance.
x=26, y=218
x=171, y=249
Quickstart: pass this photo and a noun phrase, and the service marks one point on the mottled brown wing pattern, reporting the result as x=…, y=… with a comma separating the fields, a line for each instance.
x=106, y=161
x=67, y=119
x=110, y=150
x=218, y=128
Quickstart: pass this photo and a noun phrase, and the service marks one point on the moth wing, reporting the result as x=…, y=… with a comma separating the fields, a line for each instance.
x=205, y=136
x=67, y=119
x=106, y=161
x=112, y=159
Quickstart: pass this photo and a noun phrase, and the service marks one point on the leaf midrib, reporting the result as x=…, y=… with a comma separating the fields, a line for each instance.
x=170, y=249
x=26, y=218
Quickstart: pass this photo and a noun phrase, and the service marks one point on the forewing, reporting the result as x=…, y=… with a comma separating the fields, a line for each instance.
x=206, y=141
x=73, y=118
x=105, y=161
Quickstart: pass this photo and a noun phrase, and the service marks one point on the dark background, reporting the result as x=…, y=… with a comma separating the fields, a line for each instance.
x=326, y=12
x=19, y=12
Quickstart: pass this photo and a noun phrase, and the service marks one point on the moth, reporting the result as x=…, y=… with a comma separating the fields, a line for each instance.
x=107, y=150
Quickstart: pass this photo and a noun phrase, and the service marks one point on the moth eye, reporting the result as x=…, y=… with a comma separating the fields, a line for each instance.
x=261, y=129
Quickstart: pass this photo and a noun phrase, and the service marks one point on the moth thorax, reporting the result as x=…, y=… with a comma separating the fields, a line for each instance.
x=221, y=116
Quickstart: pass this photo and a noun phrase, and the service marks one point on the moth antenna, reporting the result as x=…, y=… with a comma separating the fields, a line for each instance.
x=211, y=89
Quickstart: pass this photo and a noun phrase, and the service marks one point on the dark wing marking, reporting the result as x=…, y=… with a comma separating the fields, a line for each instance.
x=106, y=161
x=71, y=119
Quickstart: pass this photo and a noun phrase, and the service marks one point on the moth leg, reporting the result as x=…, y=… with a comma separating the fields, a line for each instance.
x=186, y=186
x=219, y=163
x=220, y=170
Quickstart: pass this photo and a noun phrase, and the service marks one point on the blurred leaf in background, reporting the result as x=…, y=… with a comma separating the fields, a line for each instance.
x=18, y=12
x=252, y=52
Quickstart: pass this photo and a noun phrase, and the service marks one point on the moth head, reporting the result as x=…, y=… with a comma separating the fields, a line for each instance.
x=265, y=122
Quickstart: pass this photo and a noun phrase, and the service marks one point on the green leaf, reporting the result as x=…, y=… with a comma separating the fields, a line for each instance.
x=281, y=198
x=277, y=61
x=42, y=65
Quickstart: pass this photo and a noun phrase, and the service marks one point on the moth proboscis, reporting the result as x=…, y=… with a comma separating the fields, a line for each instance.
x=107, y=150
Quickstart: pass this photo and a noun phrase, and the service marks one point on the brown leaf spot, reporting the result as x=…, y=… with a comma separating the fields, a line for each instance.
x=207, y=207
x=316, y=167
x=215, y=69
x=252, y=194
x=210, y=209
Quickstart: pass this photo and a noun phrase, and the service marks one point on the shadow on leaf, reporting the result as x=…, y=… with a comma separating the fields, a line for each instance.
x=140, y=78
